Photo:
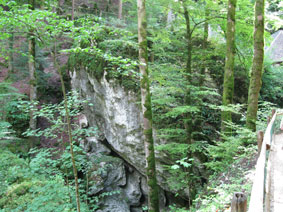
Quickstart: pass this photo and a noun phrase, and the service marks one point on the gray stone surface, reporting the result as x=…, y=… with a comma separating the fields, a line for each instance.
x=132, y=190
x=114, y=203
x=93, y=146
x=107, y=174
x=117, y=115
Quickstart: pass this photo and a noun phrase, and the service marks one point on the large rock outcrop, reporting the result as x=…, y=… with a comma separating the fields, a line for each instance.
x=117, y=115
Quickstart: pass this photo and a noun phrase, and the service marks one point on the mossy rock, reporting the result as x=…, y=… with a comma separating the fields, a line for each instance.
x=19, y=189
x=17, y=195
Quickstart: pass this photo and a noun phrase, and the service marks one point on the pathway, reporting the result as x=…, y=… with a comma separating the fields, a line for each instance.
x=276, y=190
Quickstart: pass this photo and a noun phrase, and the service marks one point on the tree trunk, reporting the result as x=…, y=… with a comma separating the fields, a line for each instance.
x=228, y=84
x=153, y=194
x=188, y=72
x=239, y=202
x=120, y=9
x=204, y=46
x=11, y=57
x=205, y=28
x=75, y=171
x=188, y=98
x=188, y=121
x=32, y=75
x=73, y=10
x=256, y=74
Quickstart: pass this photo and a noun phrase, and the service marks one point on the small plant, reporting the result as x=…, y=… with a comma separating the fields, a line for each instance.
x=61, y=117
x=55, y=115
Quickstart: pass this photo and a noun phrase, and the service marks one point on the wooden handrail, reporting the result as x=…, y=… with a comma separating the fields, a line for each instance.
x=257, y=194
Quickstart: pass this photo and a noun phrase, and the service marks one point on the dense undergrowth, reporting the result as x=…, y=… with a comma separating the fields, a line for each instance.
x=41, y=179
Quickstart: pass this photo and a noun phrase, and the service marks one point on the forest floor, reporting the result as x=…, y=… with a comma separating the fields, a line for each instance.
x=276, y=189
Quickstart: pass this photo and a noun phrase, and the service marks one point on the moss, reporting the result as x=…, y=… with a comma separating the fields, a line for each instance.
x=17, y=195
x=256, y=74
x=151, y=170
x=96, y=66
x=151, y=173
x=228, y=85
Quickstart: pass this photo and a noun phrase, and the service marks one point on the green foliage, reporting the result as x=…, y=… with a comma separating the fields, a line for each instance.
x=222, y=153
x=7, y=94
x=55, y=115
x=272, y=84
x=19, y=119
x=46, y=183
x=35, y=186
x=108, y=47
x=97, y=50
x=8, y=131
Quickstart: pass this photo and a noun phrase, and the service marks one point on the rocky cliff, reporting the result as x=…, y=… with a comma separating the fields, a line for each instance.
x=118, y=145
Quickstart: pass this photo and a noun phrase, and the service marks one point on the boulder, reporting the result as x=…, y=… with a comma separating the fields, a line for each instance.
x=114, y=203
x=117, y=115
x=132, y=190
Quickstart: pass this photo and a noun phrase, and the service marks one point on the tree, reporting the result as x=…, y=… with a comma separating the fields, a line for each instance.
x=188, y=122
x=228, y=84
x=32, y=71
x=120, y=9
x=73, y=9
x=11, y=48
x=256, y=74
x=204, y=46
x=153, y=196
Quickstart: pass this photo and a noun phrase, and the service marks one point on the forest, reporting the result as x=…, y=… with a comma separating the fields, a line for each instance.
x=135, y=105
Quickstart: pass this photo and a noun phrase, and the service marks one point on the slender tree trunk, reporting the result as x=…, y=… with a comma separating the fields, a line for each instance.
x=73, y=9
x=120, y=9
x=188, y=101
x=107, y=7
x=205, y=28
x=204, y=46
x=228, y=84
x=256, y=74
x=69, y=130
x=153, y=194
x=32, y=75
x=11, y=57
x=71, y=144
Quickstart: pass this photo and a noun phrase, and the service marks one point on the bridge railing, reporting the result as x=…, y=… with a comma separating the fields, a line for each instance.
x=262, y=166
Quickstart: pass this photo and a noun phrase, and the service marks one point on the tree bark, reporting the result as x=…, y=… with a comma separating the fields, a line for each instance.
x=188, y=99
x=256, y=74
x=75, y=171
x=11, y=56
x=204, y=46
x=228, y=84
x=239, y=202
x=32, y=75
x=153, y=194
x=73, y=10
x=188, y=121
x=120, y=10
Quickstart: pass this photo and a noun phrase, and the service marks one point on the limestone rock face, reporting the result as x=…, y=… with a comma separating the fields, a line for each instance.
x=133, y=191
x=114, y=204
x=117, y=115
